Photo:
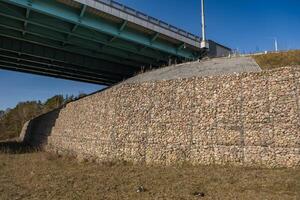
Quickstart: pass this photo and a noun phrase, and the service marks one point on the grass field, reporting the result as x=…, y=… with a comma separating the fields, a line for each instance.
x=39, y=175
x=276, y=60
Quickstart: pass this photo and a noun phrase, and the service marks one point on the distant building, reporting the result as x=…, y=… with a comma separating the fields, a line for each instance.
x=217, y=50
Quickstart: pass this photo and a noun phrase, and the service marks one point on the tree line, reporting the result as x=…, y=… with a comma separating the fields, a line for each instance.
x=12, y=120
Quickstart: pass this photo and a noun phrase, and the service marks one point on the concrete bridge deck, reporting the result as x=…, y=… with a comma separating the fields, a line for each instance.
x=97, y=41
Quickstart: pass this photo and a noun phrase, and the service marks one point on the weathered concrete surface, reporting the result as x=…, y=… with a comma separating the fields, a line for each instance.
x=249, y=119
x=216, y=66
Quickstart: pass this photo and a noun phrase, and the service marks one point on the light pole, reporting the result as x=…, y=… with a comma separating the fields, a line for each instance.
x=276, y=44
x=275, y=40
x=204, y=42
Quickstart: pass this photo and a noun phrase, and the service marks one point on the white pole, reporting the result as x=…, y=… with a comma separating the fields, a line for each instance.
x=203, y=20
x=276, y=44
x=204, y=43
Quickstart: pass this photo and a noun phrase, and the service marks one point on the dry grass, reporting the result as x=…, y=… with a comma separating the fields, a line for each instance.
x=40, y=175
x=276, y=60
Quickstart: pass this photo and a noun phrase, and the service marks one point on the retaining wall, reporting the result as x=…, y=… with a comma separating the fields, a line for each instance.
x=250, y=119
x=36, y=131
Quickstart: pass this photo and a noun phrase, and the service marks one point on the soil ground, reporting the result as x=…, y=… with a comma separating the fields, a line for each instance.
x=40, y=175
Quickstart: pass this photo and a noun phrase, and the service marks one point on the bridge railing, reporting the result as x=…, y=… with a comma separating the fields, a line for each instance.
x=153, y=20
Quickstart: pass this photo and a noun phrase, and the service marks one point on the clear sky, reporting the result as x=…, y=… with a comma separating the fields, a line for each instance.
x=16, y=87
x=246, y=25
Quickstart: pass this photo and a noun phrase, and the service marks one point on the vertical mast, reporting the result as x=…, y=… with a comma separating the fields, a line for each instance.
x=203, y=21
x=276, y=44
x=204, y=43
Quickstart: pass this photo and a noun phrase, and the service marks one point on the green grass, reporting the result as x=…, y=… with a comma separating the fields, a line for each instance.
x=39, y=175
x=276, y=60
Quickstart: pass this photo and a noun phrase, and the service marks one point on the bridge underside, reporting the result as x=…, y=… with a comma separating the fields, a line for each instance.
x=56, y=39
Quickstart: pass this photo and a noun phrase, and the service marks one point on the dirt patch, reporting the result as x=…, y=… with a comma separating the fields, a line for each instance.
x=41, y=175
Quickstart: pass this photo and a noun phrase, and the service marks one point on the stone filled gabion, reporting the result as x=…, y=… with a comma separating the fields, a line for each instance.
x=249, y=119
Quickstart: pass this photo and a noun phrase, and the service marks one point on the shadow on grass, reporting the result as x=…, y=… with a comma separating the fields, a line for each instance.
x=15, y=147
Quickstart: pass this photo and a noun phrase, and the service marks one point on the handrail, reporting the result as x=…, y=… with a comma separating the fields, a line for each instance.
x=150, y=19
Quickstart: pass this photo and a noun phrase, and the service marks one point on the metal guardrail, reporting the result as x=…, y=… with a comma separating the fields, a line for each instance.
x=153, y=20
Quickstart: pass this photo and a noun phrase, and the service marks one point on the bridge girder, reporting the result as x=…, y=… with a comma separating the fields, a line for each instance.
x=52, y=38
x=68, y=14
x=58, y=32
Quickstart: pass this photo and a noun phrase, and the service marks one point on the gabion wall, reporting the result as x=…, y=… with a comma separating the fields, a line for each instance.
x=249, y=119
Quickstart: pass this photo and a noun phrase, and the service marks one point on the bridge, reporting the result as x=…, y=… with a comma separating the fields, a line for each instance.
x=94, y=41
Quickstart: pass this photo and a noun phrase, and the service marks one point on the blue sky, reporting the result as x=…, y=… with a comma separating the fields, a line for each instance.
x=247, y=25
x=244, y=24
x=16, y=87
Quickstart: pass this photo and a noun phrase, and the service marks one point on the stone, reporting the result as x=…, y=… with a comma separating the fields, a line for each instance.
x=249, y=119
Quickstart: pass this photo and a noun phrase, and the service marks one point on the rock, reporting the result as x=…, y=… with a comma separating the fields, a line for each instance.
x=199, y=194
x=248, y=119
x=141, y=189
